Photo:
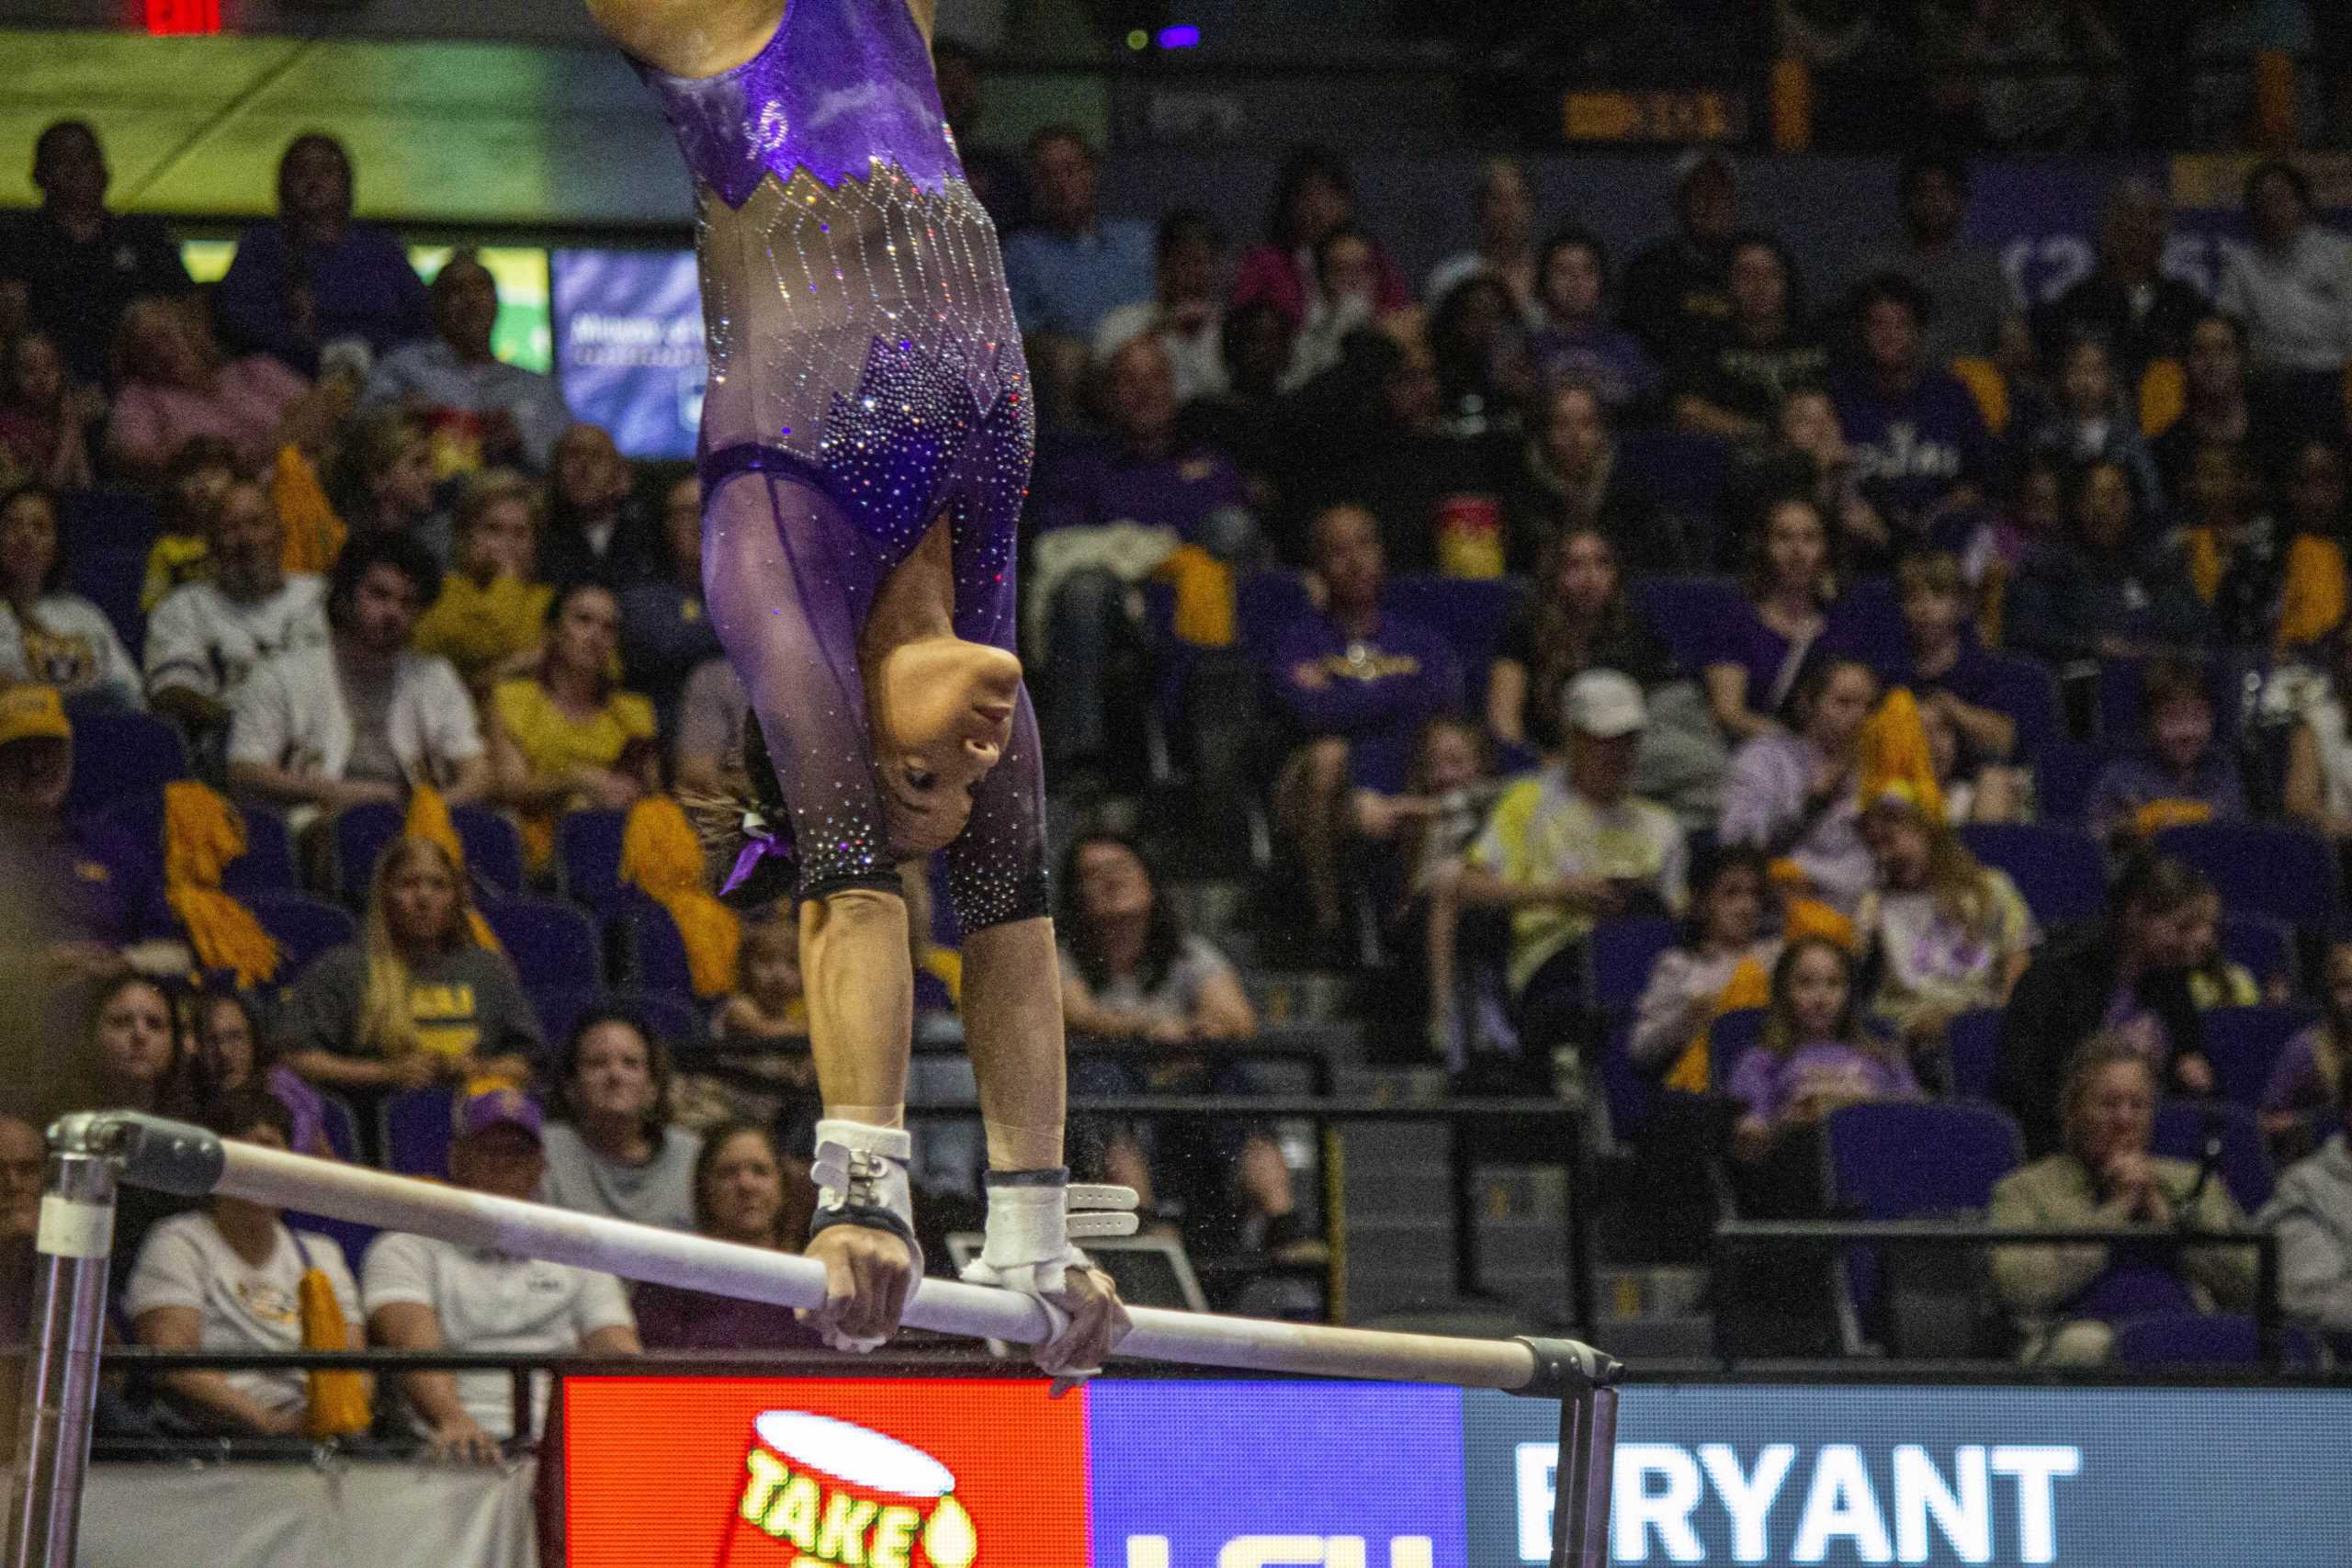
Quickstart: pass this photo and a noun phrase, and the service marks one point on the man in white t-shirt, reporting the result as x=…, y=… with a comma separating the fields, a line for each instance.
x=206, y=637
x=424, y=1294
x=228, y=1277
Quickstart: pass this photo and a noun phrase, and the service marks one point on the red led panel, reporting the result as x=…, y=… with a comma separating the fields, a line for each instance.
x=178, y=19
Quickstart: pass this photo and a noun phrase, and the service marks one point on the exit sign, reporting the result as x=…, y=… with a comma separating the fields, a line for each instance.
x=180, y=18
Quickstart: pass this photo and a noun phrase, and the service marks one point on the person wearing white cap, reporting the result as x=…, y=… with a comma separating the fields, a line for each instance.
x=1572, y=847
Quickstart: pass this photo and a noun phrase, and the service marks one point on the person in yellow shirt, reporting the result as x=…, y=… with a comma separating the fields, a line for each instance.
x=2267, y=589
x=492, y=612
x=564, y=737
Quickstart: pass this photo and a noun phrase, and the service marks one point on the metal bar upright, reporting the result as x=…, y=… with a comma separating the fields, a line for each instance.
x=75, y=1243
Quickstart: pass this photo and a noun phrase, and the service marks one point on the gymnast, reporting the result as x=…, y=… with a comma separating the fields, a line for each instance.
x=865, y=443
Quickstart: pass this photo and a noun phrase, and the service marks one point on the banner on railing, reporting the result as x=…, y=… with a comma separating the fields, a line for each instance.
x=826, y=1473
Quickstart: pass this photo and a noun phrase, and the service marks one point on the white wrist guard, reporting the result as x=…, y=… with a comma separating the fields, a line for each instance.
x=861, y=1177
x=1032, y=1215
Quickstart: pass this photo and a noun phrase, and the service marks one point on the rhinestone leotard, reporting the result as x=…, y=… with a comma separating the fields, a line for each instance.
x=865, y=379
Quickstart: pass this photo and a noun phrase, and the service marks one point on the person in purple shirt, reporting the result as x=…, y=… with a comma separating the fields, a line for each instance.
x=1814, y=1056
x=1577, y=341
x=1918, y=438
x=311, y=276
x=1795, y=793
x=1943, y=664
x=1139, y=472
x=2176, y=766
x=2308, y=1082
x=1350, y=684
x=1787, y=610
x=744, y=1193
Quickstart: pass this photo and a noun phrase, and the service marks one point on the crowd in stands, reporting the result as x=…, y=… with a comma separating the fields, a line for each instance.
x=1880, y=661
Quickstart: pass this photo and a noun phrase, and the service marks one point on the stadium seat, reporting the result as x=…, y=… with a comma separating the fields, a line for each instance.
x=111, y=579
x=349, y=1237
x=2025, y=691
x=1733, y=1036
x=267, y=866
x=2286, y=873
x=1687, y=612
x=1972, y=1048
x=1685, y=473
x=360, y=834
x=119, y=520
x=416, y=1131
x=494, y=847
x=1468, y=612
x=1622, y=955
x=2263, y=946
x=675, y=1023
x=342, y=1125
x=550, y=943
x=303, y=926
x=2205, y=1339
x=1266, y=601
x=588, y=857
x=118, y=752
x=2244, y=1044
x=2062, y=777
x=653, y=955
x=2243, y=1163
x=2059, y=871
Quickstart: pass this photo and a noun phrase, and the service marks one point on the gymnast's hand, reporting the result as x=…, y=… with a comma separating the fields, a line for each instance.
x=869, y=1274
x=1098, y=1320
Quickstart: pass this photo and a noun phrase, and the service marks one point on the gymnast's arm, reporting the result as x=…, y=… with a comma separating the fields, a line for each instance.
x=703, y=37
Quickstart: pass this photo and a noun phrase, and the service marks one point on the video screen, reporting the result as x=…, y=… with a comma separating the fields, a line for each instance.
x=629, y=345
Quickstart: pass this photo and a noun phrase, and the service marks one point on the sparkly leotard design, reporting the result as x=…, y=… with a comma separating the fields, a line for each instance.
x=865, y=379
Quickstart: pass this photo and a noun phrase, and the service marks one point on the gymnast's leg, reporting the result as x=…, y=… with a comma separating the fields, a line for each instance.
x=772, y=580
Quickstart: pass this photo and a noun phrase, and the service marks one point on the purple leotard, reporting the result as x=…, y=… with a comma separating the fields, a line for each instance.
x=865, y=379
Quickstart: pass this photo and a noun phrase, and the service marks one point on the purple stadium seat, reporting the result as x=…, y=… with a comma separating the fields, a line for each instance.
x=2205, y=1339
x=2025, y=691
x=416, y=1131
x=304, y=926
x=1687, y=610
x=493, y=849
x=267, y=866
x=655, y=957
x=2062, y=777
x=108, y=520
x=342, y=1125
x=1876, y=1169
x=2286, y=873
x=550, y=943
x=2059, y=871
x=1734, y=1036
x=350, y=1237
x=2243, y=1162
x=1685, y=473
x=1622, y=955
x=588, y=856
x=2244, y=1044
x=111, y=579
x=1264, y=602
x=120, y=753
x=1972, y=1048
x=2265, y=947
x=1469, y=613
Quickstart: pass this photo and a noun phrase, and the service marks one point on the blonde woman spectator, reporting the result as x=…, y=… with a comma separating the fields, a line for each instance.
x=1949, y=935
x=171, y=384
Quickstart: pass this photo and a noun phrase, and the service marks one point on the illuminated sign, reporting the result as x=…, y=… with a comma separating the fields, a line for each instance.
x=629, y=345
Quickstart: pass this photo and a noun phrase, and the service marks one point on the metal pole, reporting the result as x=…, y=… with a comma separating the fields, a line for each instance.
x=1581, y=1483
x=76, y=1240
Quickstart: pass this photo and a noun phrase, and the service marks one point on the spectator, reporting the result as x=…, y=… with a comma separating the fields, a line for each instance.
x=46, y=635
x=2128, y=299
x=1506, y=249
x=310, y=277
x=2047, y=70
x=1973, y=790
x=1793, y=792
x=79, y=892
x=665, y=628
x=611, y=1150
x=2093, y=423
x=2067, y=1299
x=593, y=533
x=1788, y=610
x=135, y=1046
x=566, y=739
x=2177, y=774
x=1735, y=374
x=1570, y=479
x=1346, y=677
x=1450, y=788
x=1573, y=847
x=1249, y=421
x=2126, y=974
x=1347, y=303
x=2314, y=491
x=170, y=386
x=491, y=618
x=24, y=1161
x=770, y=1002
x=2214, y=981
x=1314, y=200
x=359, y=717
x=2215, y=410
x=1805, y=456
x=1482, y=371
x=709, y=738
x=1131, y=974
x=2032, y=515
x=425, y=1294
x=484, y=412
x=2104, y=591
x=1186, y=312
x=744, y=1192
x=2294, y=289
x=231, y=1054
x=1943, y=934
x=995, y=175
x=2311, y=1213
x=1576, y=341
x=1072, y=267
x=196, y=476
x=1679, y=286
x=413, y=1001
x=1943, y=665
x=228, y=1276
x=1972, y=310
x=2308, y=1080
x=45, y=418
x=1919, y=439
x=2317, y=790
x=1814, y=1056
x=1721, y=964
x=2267, y=588
x=382, y=480
x=1579, y=618
x=208, y=637
x=78, y=266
